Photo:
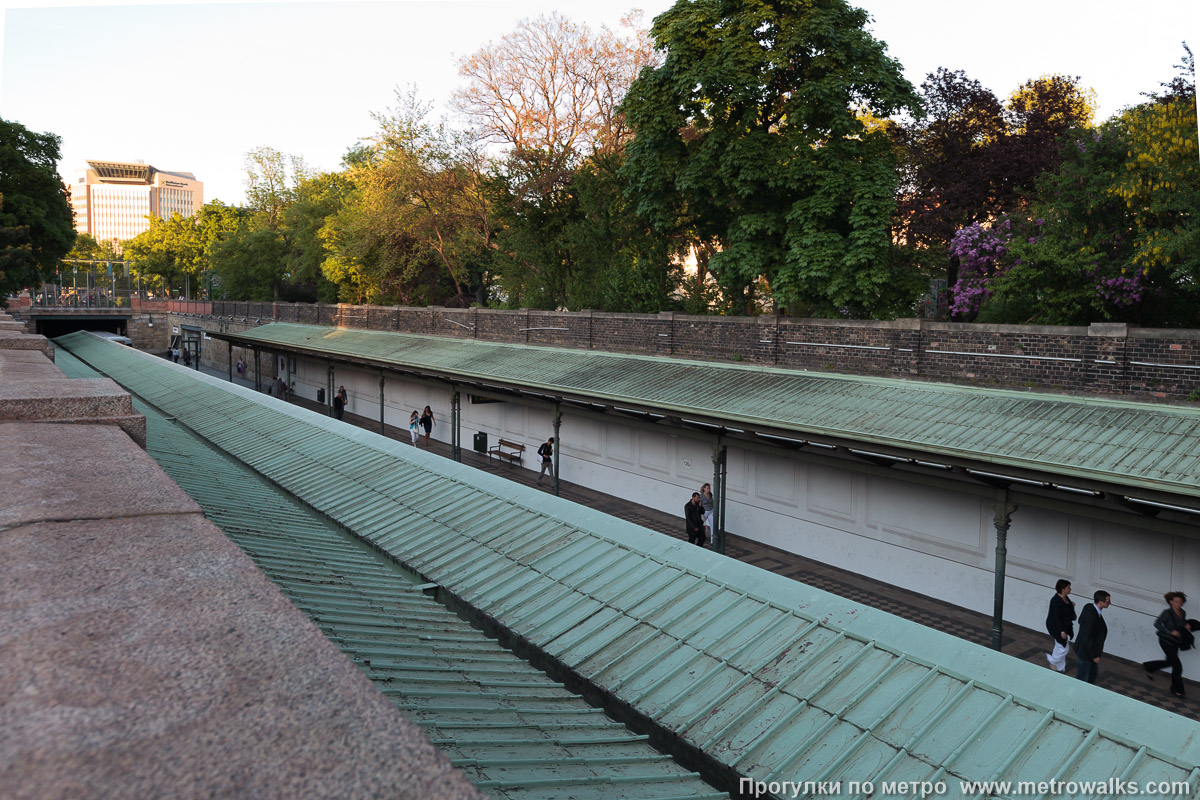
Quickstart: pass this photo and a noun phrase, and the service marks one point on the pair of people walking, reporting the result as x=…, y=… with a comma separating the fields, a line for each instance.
x=421, y=421
x=1093, y=631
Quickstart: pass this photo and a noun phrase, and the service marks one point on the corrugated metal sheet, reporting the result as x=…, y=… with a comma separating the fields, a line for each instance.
x=1155, y=447
x=514, y=732
x=775, y=679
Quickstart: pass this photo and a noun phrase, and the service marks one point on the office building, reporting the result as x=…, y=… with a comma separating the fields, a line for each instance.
x=112, y=199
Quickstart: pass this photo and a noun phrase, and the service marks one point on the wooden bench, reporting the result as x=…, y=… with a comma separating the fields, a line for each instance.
x=510, y=451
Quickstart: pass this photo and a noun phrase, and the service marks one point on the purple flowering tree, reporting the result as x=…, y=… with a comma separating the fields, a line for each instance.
x=983, y=256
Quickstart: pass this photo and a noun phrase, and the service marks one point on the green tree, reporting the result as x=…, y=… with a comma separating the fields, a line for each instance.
x=582, y=247
x=318, y=198
x=36, y=222
x=87, y=248
x=750, y=135
x=181, y=246
x=170, y=248
x=276, y=252
x=1112, y=232
x=420, y=229
x=246, y=263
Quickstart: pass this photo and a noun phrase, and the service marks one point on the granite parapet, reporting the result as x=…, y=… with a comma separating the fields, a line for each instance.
x=144, y=655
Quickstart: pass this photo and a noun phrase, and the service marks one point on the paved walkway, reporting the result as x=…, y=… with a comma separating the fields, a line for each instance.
x=1116, y=674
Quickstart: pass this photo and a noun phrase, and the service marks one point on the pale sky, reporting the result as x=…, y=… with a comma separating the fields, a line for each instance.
x=192, y=87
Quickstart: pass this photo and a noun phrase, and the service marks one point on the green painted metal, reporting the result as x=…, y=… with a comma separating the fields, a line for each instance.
x=774, y=679
x=1138, y=444
x=516, y=733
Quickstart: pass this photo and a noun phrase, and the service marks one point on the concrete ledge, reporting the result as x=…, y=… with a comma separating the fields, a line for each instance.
x=144, y=655
x=14, y=340
x=19, y=365
x=63, y=397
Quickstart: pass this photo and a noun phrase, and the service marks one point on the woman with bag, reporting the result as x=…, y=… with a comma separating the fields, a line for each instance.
x=1060, y=624
x=427, y=423
x=414, y=427
x=1173, y=632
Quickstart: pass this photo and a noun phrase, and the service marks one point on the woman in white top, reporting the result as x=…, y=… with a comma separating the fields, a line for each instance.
x=414, y=426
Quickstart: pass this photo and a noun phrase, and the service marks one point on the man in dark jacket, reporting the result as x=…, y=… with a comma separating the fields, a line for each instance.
x=1093, y=630
x=693, y=515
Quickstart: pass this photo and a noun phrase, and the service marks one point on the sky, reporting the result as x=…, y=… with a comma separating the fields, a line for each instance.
x=193, y=87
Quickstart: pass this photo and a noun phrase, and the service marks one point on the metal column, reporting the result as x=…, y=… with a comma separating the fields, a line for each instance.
x=1003, y=518
x=382, y=427
x=720, y=478
x=456, y=425
x=329, y=389
x=230, y=361
x=557, y=445
x=257, y=373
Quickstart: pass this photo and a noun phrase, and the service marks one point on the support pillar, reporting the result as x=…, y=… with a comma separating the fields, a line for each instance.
x=557, y=444
x=382, y=428
x=257, y=373
x=1004, y=509
x=230, y=361
x=720, y=478
x=329, y=385
x=456, y=424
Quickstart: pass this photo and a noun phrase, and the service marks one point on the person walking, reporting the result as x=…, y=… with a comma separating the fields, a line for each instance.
x=1093, y=630
x=693, y=517
x=427, y=423
x=546, y=451
x=339, y=402
x=1172, y=629
x=706, y=503
x=1060, y=621
x=176, y=355
x=414, y=426
x=241, y=368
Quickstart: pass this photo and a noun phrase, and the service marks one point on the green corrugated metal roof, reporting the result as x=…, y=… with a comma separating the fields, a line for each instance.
x=516, y=733
x=1136, y=444
x=776, y=680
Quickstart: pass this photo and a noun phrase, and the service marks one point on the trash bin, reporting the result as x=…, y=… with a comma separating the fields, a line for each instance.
x=320, y=395
x=480, y=442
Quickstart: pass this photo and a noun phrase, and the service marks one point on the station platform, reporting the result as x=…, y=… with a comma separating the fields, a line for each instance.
x=1116, y=674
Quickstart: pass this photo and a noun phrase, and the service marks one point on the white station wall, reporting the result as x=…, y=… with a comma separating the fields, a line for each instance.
x=936, y=542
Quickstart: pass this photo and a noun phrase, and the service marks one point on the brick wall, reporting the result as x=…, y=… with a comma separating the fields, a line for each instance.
x=1107, y=358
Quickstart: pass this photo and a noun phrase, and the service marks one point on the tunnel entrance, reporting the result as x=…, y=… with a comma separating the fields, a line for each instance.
x=52, y=327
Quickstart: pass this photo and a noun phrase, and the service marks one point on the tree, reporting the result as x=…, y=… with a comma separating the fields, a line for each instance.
x=582, y=247
x=271, y=181
x=87, y=248
x=36, y=222
x=1111, y=232
x=549, y=94
x=183, y=246
x=247, y=264
x=749, y=135
x=552, y=88
x=970, y=159
x=419, y=228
